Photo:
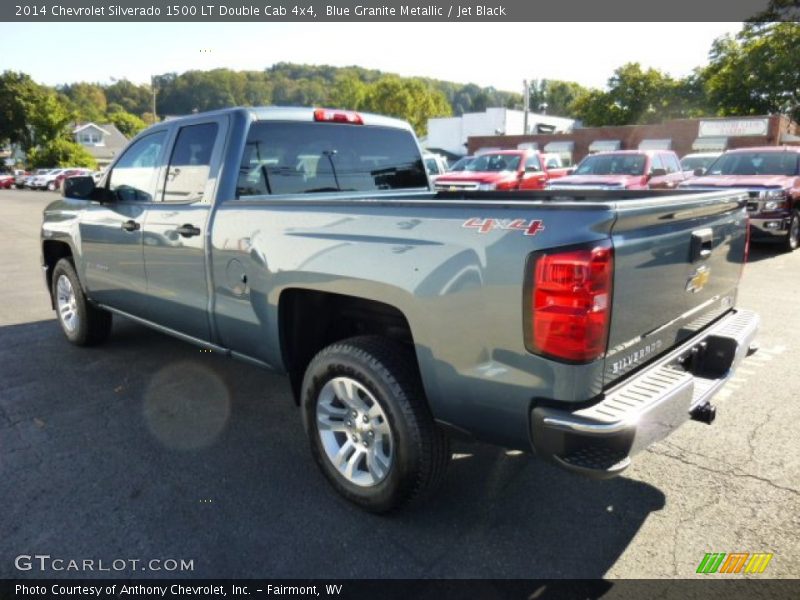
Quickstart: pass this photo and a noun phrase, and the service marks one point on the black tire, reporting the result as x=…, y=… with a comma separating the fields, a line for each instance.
x=93, y=325
x=792, y=241
x=388, y=371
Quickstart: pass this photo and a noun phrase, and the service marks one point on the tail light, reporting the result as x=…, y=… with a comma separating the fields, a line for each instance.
x=338, y=116
x=569, y=304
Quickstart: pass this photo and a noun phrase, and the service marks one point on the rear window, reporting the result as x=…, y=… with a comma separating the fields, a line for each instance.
x=756, y=163
x=305, y=158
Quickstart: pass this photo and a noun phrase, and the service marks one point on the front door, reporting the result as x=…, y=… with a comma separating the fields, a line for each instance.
x=111, y=231
x=175, y=228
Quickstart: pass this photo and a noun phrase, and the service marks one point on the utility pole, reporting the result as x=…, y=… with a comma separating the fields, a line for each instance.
x=526, y=101
x=153, y=88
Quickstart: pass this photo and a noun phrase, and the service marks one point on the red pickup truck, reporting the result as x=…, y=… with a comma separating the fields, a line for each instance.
x=502, y=170
x=625, y=170
x=771, y=176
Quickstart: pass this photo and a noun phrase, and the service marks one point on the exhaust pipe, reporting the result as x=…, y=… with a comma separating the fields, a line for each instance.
x=705, y=413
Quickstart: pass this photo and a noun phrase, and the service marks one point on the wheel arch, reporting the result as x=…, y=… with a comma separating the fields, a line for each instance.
x=310, y=320
x=52, y=252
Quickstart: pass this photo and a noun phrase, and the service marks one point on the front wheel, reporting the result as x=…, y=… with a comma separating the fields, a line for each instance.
x=82, y=323
x=369, y=425
x=793, y=237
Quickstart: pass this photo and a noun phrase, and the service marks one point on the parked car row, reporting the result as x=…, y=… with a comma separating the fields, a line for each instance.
x=41, y=179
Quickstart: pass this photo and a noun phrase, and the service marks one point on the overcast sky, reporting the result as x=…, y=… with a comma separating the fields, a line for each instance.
x=500, y=55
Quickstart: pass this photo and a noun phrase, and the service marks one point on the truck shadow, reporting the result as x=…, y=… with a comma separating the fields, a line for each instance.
x=148, y=448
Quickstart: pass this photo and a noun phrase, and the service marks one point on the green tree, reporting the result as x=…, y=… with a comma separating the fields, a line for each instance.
x=128, y=124
x=30, y=114
x=559, y=96
x=636, y=95
x=756, y=72
x=133, y=98
x=349, y=92
x=409, y=99
x=61, y=152
x=88, y=100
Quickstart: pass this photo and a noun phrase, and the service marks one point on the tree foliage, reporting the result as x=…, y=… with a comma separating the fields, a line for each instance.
x=30, y=114
x=61, y=152
x=411, y=99
x=558, y=96
x=756, y=72
x=636, y=95
x=128, y=124
x=87, y=100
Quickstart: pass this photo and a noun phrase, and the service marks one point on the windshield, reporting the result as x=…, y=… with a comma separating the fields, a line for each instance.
x=690, y=163
x=495, y=162
x=462, y=164
x=612, y=164
x=756, y=163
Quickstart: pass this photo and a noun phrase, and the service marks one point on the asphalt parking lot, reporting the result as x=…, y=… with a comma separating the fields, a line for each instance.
x=91, y=469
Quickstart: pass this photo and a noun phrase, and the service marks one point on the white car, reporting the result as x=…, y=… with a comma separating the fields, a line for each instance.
x=435, y=165
x=47, y=181
x=28, y=182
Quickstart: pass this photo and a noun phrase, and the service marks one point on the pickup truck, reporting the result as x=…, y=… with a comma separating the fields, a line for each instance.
x=771, y=178
x=625, y=170
x=581, y=326
x=502, y=170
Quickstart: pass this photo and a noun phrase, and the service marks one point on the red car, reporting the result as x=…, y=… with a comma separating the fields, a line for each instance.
x=625, y=170
x=69, y=173
x=501, y=170
x=771, y=176
x=6, y=181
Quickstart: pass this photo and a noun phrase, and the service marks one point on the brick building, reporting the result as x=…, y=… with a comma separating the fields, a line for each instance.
x=681, y=135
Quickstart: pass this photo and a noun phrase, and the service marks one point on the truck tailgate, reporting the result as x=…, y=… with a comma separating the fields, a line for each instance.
x=677, y=265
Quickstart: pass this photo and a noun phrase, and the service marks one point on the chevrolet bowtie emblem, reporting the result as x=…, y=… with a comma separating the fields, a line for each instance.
x=698, y=280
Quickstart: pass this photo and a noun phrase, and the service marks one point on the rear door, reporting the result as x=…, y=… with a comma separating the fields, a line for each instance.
x=677, y=263
x=176, y=226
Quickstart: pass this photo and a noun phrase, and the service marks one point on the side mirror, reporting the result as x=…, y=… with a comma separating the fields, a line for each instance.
x=81, y=187
x=570, y=171
x=699, y=172
x=658, y=172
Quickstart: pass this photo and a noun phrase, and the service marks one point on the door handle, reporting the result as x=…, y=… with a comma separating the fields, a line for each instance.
x=130, y=225
x=188, y=230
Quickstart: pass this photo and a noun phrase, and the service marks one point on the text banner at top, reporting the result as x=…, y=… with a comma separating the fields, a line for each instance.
x=388, y=11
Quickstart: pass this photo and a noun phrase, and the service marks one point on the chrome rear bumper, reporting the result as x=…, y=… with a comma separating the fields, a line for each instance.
x=600, y=440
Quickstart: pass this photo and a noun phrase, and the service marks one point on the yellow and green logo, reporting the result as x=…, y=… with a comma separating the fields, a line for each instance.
x=736, y=562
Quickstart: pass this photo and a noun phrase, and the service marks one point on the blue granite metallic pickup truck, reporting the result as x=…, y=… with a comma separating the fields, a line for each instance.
x=580, y=325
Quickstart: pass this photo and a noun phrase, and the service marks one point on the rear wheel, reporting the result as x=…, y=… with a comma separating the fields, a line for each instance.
x=82, y=323
x=369, y=426
x=793, y=238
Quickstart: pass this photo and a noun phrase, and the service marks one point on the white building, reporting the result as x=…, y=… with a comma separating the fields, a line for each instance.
x=450, y=133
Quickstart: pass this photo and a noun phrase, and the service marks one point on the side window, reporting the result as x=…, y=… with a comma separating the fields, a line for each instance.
x=655, y=162
x=190, y=163
x=672, y=164
x=532, y=163
x=131, y=179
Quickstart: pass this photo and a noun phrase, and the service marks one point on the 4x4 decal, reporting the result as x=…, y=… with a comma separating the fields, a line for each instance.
x=486, y=225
